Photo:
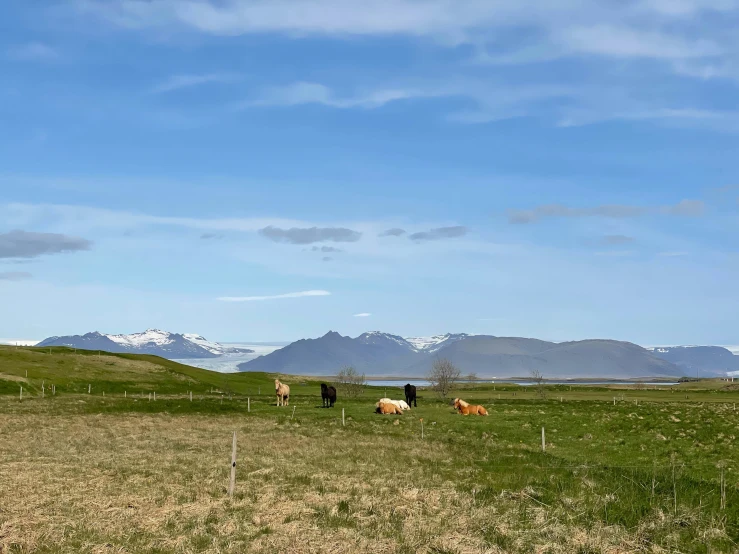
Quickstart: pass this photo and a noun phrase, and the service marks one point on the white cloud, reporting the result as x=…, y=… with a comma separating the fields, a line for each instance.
x=300, y=294
x=299, y=93
x=176, y=82
x=624, y=42
x=599, y=28
x=363, y=314
x=33, y=52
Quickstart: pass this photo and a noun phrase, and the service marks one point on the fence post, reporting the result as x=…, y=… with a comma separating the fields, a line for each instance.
x=343, y=421
x=125, y=394
x=21, y=398
x=248, y=404
x=43, y=391
x=293, y=416
x=543, y=441
x=232, y=485
x=155, y=395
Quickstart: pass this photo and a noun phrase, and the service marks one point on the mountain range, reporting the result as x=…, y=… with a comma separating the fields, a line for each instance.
x=383, y=354
x=699, y=361
x=152, y=341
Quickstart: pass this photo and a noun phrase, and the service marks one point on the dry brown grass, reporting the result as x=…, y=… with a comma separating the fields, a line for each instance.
x=157, y=483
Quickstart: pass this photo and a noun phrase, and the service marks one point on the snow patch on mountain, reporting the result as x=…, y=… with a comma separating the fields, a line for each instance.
x=148, y=337
x=435, y=343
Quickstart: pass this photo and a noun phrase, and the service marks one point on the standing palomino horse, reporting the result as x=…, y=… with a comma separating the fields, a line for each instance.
x=283, y=393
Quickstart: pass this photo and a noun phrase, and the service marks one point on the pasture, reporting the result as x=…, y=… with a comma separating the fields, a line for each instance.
x=656, y=472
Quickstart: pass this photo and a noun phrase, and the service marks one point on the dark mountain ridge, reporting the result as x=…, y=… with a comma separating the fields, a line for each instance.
x=380, y=354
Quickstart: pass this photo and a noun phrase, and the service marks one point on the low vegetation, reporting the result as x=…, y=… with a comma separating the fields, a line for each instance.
x=624, y=470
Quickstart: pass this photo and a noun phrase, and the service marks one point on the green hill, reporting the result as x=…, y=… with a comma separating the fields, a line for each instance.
x=74, y=371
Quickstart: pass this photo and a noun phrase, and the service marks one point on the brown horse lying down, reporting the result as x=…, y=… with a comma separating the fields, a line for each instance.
x=387, y=409
x=468, y=409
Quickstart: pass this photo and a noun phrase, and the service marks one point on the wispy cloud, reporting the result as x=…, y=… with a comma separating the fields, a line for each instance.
x=300, y=93
x=625, y=42
x=33, y=52
x=310, y=235
x=363, y=314
x=394, y=232
x=15, y=276
x=688, y=208
x=300, y=294
x=25, y=244
x=326, y=249
x=440, y=233
x=612, y=240
x=177, y=82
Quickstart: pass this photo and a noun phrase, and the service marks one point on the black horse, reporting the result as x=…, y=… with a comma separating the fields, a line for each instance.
x=410, y=395
x=328, y=395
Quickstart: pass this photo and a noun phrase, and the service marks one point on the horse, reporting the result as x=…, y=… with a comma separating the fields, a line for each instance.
x=468, y=409
x=283, y=393
x=399, y=403
x=410, y=395
x=328, y=395
x=386, y=408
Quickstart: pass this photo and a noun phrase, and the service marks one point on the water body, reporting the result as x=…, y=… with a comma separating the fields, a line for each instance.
x=421, y=383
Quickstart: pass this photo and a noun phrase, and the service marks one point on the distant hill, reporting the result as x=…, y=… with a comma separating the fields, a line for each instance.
x=382, y=354
x=152, y=341
x=703, y=361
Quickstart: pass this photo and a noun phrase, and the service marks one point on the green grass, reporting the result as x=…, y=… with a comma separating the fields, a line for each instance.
x=92, y=473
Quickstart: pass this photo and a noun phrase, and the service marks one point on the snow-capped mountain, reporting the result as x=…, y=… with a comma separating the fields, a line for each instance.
x=699, y=361
x=383, y=354
x=152, y=341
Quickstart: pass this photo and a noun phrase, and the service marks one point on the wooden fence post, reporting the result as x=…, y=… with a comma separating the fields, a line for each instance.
x=543, y=441
x=89, y=389
x=248, y=404
x=125, y=394
x=343, y=421
x=21, y=397
x=232, y=485
x=293, y=416
x=155, y=395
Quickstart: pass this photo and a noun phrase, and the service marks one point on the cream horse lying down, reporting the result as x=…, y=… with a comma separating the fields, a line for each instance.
x=283, y=393
x=386, y=408
x=397, y=403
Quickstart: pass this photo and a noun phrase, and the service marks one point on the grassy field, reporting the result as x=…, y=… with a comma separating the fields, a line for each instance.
x=91, y=473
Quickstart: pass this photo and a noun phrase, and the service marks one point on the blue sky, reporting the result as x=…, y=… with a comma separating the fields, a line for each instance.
x=562, y=171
